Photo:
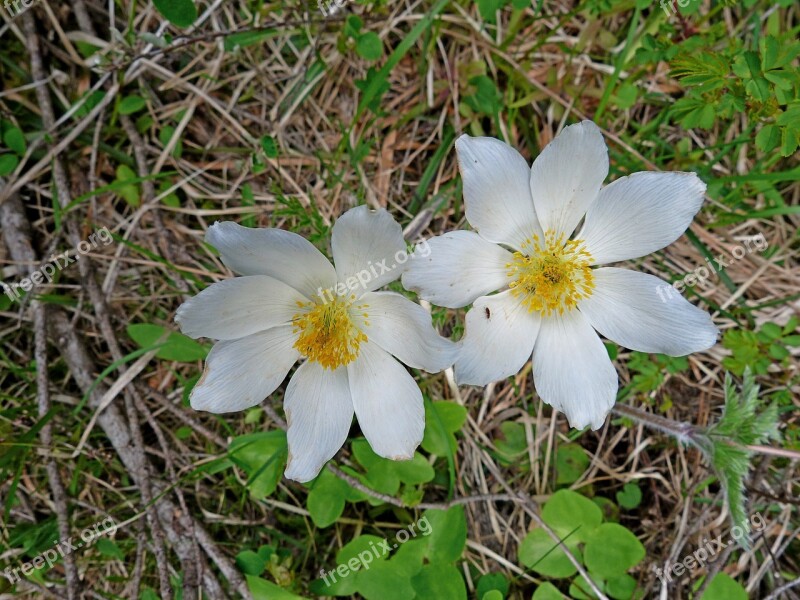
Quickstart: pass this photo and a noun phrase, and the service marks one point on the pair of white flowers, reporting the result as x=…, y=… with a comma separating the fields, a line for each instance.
x=553, y=299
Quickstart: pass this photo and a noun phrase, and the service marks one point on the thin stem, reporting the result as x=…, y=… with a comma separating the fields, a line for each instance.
x=684, y=432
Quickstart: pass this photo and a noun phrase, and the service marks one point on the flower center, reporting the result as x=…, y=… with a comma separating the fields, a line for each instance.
x=551, y=274
x=326, y=332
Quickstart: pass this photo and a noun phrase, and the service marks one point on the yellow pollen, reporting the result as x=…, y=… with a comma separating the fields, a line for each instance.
x=326, y=333
x=551, y=275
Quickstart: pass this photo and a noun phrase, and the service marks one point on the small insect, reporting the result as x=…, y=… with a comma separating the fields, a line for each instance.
x=488, y=312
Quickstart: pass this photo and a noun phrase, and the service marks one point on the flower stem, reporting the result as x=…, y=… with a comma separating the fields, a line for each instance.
x=684, y=432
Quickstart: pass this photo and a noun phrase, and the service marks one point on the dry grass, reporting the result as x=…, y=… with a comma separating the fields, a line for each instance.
x=144, y=460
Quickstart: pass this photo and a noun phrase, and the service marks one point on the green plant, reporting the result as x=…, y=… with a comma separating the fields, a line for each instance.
x=606, y=550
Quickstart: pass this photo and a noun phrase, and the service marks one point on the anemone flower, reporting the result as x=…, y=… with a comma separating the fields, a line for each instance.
x=291, y=304
x=554, y=298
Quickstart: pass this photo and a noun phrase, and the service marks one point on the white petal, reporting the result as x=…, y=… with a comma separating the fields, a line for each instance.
x=500, y=334
x=456, y=268
x=237, y=307
x=281, y=254
x=241, y=373
x=567, y=175
x=365, y=246
x=641, y=213
x=497, y=192
x=572, y=371
x=404, y=329
x=644, y=313
x=319, y=411
x=388, y=403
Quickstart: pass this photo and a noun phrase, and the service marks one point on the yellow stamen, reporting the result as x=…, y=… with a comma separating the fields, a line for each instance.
x=551, y=274
x=326, y=333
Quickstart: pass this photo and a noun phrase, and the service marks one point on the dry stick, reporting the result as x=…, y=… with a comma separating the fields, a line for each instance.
x=17, y=239
x=186, y=549
x=63, y=194
x=149, y=194
x=686, y=432
x=783, y=589
x=130, y=396
x=113, y=424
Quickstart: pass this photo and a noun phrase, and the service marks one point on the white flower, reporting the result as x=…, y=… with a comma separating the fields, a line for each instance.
x=292, y=304
x=554, y=297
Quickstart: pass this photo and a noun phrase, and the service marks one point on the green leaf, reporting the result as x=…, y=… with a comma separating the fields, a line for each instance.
x=580, y=589
x=369, y=46
x=571, y=462
x=383, y=582
x=611, y=550
x=768, y=138
x=8, y=162
x=568, y=512
x=630, y=496
x=327, y=497
x=15, y=140
x=621, y=588
x=181, y=13
x=488, y=9
x=540, y=553
x=438, y=581
x=385, y=475
x=261, y=589
x=547, y=591
x=512, y=449
x=492, y=582
x=452, y=417
x=248, y=38
x=176, y=346
x=352, y=26
x=165, y=137
x=269, y=146
x=250, y=563
x=262, y=456
x=448, y=533
x=128, y=191
x=110, y=549
x=131, y=104
x=486, y=99
x=723, y=587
